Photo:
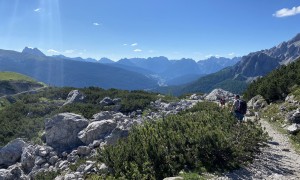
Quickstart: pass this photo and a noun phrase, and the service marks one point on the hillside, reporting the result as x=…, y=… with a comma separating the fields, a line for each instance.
x=277, y=84
x=62, y=72
x=12, y=83
x=251, y=66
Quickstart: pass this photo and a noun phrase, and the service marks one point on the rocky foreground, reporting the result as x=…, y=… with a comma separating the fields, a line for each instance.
x=69, y=138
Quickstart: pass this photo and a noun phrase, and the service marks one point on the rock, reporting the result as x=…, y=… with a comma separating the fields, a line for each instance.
x=39, y=161
x=116, y=100
x=116, y=134
x=96, y=143
x=173, y=178
x=290, y=98
x=194, y=97
x=74, y=96
x=62, y=131
x=218, y=93
x=12, y=173
x=294, y=128
x=107, y=101
x=289, y=117
x=103, y=115
x=83, y=150
x=11, y=153
x=43, y=151
x=103, y=169
x=53, y=160
x=28, y=158
x=96, y=131
x=257, y=103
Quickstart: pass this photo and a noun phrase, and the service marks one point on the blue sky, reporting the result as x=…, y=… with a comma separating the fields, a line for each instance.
x=146, y=28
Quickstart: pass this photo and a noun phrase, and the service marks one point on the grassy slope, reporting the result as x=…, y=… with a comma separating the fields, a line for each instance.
x=12, y=76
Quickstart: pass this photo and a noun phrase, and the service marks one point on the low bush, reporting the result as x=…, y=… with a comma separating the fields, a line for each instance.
x=204, y=138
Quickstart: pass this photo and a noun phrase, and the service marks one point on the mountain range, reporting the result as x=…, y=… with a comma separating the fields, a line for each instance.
x=250, y=67
x=130, y=74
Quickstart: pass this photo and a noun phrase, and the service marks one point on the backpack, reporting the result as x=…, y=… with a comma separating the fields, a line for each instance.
x=242, y=107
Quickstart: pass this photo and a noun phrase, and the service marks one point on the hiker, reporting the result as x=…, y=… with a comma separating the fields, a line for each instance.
x=222, y=102
x=239, y=108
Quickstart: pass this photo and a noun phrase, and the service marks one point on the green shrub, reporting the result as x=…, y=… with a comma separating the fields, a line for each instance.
x=204, y=138
x=46, y=175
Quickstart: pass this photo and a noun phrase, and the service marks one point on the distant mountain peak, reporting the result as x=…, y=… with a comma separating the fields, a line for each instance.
x=33, y=51
x=296, y=38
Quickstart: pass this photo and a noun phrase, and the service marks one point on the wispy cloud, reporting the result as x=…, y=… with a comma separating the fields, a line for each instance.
x=37, y=10
x=52, y=51
x=287, y=12
x=69, y=51
x=125, y=44
x=134, y=44
x=96, y=24
x=137, y=50
x=231, y=54
x=212, y=55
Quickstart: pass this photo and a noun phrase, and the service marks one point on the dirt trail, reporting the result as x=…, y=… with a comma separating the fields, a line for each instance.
x=277, y=161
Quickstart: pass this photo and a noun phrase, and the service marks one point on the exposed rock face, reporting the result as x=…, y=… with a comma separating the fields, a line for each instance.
x=74, y=96
x=257, y=102
x=62, y=130
x=11, y=153
x=96, y=130
x=218, y=93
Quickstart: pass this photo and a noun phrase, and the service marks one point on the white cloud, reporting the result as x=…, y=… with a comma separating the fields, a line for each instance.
x=231, y=54
x=52, y=51
x=96, y=24
x=212, y=55
x=287, y=12
x=124, y=44
x=137, y=50
x=37, y=10
x=134, y=44
x=69, y=51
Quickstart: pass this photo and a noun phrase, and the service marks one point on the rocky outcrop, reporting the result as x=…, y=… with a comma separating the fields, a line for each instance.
x=73, y=97
x=96, y=130
x=11, y=153
x=62, y=130
x=257, y=103
x=217, y=94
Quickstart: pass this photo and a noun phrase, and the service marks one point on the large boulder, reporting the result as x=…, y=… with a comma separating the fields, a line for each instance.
x=62, y=130
x=257, y=102
x=11, y=153
x=217, y=94
x=74, y=96
x=96, y=130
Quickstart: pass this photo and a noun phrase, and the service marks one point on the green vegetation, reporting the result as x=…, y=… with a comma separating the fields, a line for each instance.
x=277, y=84
x=25, y=117
x=12, y=76
x=204, y=138
x=46, y=175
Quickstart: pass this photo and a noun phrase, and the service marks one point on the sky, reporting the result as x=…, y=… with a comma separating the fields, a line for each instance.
x=119, y=29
